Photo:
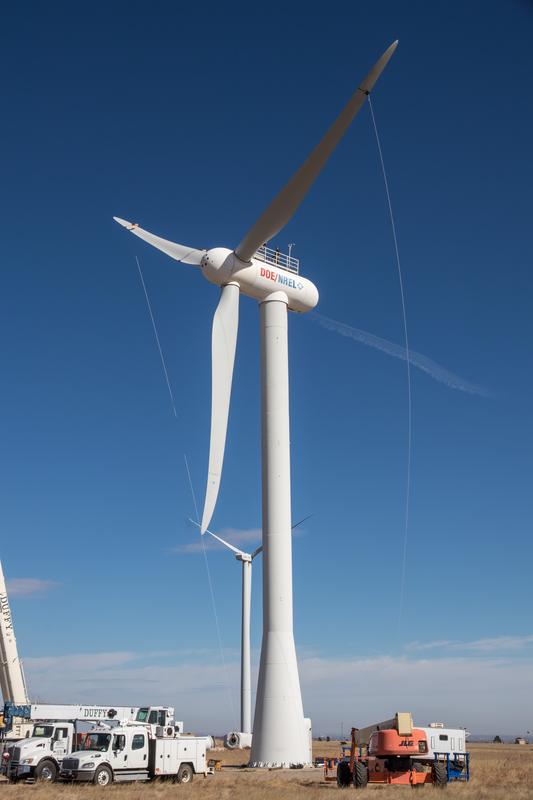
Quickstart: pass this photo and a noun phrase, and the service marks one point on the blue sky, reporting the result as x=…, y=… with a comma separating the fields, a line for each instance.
x=188, y=120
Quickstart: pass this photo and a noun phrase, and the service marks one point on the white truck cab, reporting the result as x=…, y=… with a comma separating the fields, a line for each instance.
x=133, y=752
x=39, y=756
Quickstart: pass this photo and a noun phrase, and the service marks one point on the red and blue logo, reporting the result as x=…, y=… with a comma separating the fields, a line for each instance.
x=283, y=280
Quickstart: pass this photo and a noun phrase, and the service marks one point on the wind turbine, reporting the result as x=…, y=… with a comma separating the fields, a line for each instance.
x=280, y=737
x=242, y=738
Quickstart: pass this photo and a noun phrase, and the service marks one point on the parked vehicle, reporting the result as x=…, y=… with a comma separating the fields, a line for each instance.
x=54, y=736
x=133, y=752
x=395, y=752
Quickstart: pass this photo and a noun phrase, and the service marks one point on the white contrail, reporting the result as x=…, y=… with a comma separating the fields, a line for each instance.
x=424, y=363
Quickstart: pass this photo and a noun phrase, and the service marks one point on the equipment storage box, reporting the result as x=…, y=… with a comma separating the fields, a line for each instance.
x=166, y=755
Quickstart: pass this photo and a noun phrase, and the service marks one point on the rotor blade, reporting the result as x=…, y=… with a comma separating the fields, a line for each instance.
x=296, y=525
x=189, y=255
x=220, y=539
x=301, y=522
x=223, y=342
x=281, y=209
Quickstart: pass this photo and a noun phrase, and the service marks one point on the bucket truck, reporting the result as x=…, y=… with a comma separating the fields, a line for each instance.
x=133, y=752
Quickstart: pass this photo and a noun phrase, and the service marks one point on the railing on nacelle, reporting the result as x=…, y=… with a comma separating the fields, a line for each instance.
x=277, y=259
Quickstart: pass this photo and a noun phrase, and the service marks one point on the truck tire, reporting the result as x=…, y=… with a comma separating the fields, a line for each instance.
x=46, y=771
x=360, y=775
x=185, y=774
x=440, y=774
x=103, y=776
x=344, y=776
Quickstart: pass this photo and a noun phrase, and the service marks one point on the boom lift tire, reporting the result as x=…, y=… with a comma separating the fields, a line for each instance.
x=185, y=774
x=416, y=766
x=46, y=771
x=344, y=777
x=360, y=775
x=440, y=774
x=103, y=776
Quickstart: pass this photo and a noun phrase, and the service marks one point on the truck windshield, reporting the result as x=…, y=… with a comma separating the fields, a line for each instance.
x=142, y=714
x=97, y=741
x=43, y=730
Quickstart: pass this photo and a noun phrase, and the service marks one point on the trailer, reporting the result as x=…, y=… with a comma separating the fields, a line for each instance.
x=132, y=752
x=401, y=754
x=54, y=734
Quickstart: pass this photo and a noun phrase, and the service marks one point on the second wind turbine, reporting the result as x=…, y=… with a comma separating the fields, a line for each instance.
x=242, y=738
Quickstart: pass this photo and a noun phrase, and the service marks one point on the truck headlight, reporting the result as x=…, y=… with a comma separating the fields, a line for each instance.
x=27, y=761
x=87, y=765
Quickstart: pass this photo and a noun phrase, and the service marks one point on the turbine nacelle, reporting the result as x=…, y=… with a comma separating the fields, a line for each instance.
x=258, y=279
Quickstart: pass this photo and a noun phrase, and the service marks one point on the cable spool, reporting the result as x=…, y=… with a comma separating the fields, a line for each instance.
x=165, y=731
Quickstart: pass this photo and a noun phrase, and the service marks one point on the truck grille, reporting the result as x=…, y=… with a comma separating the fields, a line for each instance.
x=70, y=763
x=14, y=761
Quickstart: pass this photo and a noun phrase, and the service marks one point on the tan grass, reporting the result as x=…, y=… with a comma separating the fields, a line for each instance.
x=499, y=772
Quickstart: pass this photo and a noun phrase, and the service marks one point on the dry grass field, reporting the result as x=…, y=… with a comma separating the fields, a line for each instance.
x=498, y=772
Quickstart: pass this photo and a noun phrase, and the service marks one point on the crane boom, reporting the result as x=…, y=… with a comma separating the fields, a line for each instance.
x=152, y=715
x=12, y=680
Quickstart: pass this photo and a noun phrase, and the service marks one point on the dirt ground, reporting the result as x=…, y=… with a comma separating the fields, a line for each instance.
x=498, y=772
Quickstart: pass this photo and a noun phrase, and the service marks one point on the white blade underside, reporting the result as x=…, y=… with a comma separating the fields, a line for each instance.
x=223, y=342
x=287, y=201
x=189, y=255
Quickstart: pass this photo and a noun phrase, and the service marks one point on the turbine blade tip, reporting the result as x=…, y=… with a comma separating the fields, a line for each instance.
x=123, y=222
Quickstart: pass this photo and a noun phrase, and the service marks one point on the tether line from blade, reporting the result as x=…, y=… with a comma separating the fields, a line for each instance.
x=408, y=365
x=154, y=326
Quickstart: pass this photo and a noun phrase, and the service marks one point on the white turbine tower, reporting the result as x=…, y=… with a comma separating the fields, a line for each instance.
x=279, y=734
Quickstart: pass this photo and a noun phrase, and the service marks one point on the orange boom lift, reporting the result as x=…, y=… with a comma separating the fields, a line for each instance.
x=392, y=752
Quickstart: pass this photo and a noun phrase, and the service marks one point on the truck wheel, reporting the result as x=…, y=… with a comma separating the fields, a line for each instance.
x=344, y=776
x=360, y=775
x=185, y=774
x=103, y=776
x=46, y=771
x=440, y=774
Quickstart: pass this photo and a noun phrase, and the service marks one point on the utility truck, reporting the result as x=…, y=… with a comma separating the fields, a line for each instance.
x=395, y=752
x=55, y=734
x=132, y=752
